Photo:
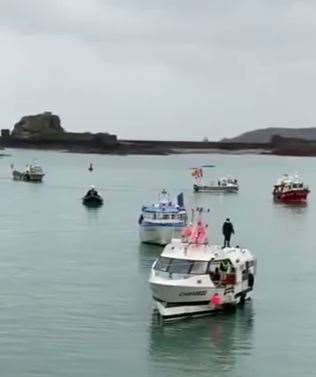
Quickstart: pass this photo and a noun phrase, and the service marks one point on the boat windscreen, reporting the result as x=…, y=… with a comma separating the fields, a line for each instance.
x=162, y=264
x=181, y=266
x=199, y=267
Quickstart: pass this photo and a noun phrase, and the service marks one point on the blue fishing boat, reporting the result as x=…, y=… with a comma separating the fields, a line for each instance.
x=160, y=222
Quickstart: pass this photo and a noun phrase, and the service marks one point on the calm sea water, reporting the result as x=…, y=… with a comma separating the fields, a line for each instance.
x=74, y=297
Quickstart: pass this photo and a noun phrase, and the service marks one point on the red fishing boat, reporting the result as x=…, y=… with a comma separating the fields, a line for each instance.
x=290, y=189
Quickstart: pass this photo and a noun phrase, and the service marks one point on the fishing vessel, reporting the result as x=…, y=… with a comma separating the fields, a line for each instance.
x=32, y=173
x=92, y=198
x=290, y=189
x=162, y=221
x=224, y=184
x=193, y=277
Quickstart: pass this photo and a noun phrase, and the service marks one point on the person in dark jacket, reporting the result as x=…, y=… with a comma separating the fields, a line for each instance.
x=92, y=192
x=228, y=230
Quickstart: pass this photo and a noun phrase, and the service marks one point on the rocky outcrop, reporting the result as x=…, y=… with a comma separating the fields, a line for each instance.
x=37, y=125
x=44, y=131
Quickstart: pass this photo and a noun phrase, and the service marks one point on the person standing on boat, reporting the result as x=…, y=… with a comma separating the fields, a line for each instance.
x=228, y=230
x=92, y=191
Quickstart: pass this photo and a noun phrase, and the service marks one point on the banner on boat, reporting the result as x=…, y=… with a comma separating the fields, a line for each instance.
x=197, y=173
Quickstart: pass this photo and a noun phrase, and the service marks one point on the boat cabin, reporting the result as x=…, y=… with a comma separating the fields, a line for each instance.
x=227, y=181
x=222, y=272
x=163, y=215
x=164, y=211
x=289, y=183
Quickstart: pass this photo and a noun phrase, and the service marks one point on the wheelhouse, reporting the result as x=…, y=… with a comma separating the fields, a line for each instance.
x=228, y=181
x=222, y=272
x=164, y=215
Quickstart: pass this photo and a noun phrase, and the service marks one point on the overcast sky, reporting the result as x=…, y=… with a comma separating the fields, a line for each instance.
x=168, y=69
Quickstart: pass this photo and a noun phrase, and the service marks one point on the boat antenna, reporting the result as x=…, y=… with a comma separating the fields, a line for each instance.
x=201, y=210
x=192, y=215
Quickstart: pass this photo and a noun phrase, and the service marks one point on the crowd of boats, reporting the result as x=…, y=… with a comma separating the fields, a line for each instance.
x=192, y=276
x=288, y=188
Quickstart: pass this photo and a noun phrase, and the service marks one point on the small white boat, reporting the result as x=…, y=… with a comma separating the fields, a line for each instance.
x=162, y=221
x=192, y=277
x=224, y=184
x=32, y=173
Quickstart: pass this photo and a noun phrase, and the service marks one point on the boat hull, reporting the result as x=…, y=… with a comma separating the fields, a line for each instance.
x=181, y=297
x=159, y=234
x=26, y=177
x=224, y=189
x=169, y=313
x=179, y=294
x=184, y=311
x=297, y=196
x=92, y=201
x=190, y=309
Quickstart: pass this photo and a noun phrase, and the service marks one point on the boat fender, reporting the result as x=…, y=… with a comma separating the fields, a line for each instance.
x=251, y=280
x=216, y=299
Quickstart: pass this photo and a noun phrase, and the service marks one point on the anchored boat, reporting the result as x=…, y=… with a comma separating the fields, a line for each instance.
x=224, y=184
x=32, y=173
x=290, y=189
x=162, y=221
x=192, y=277
x=92, y=198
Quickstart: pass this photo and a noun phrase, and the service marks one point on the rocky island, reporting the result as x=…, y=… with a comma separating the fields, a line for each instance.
x=44, y=131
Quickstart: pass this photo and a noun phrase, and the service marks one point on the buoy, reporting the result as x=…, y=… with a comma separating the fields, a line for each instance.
x=216, y=299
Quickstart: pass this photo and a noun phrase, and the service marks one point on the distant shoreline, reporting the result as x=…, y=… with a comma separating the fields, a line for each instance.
x=44, y=132
x=134, y=147
x=283, y=146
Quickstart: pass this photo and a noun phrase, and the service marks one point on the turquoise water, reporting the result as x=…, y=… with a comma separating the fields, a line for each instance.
x=74, y=297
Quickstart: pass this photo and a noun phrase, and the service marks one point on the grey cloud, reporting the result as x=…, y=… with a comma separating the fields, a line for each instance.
x=168, y=69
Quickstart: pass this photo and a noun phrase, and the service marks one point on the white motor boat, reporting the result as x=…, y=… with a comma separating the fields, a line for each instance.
x=32, y=173
x=224, y=184
x=192, y=277
x=162, y=221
